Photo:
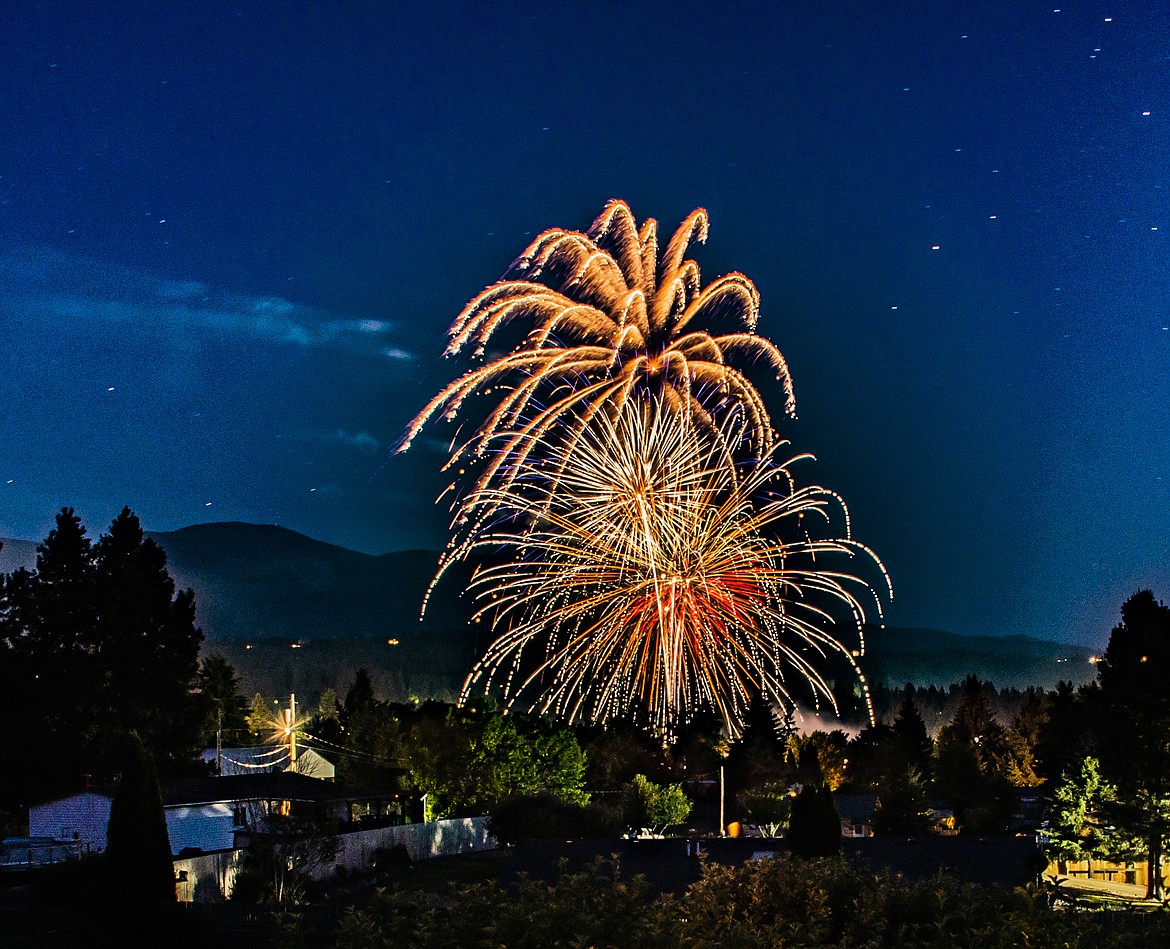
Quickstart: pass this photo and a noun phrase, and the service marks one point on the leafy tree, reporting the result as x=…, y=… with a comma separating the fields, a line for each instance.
x=618, y=752
x=283, y=861
x=768, y=806
x=1134, y=726
x=814, y=829
x=821, y=757
x=138, y=848
x=655, y=807
x=472, y=758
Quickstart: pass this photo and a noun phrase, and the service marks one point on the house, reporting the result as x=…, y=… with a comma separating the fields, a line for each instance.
x=206, y=814
x=268, y=759
x=856, y=813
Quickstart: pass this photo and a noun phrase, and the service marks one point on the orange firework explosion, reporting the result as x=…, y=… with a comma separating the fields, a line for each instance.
x=653, y=578
x=605, y=316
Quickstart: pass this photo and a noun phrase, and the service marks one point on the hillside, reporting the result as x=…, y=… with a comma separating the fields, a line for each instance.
x=297, y=614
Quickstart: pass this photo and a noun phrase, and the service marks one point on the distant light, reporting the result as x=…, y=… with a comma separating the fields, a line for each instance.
x=295, y=645
x=936, y=247
x=1147, y=112
x=391, y=642
x=248, y=646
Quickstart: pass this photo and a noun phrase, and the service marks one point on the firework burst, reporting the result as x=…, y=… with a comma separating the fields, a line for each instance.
x=660, y=576
x=605, y=317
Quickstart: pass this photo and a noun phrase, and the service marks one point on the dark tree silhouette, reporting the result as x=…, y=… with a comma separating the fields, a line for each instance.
x=96, y=642
x=1133, y=723
x=913, y=738
x=138, y=849
x=225, y=710
x=814, y=829
x=148, y=645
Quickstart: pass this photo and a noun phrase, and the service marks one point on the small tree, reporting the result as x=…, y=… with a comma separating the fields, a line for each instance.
x=655, y=807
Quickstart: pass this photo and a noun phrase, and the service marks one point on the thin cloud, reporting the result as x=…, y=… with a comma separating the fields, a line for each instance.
x=53, y=285
x=362, y=440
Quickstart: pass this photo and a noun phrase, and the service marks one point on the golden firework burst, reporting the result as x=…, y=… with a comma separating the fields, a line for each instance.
x=605, y=318
x=660, y=575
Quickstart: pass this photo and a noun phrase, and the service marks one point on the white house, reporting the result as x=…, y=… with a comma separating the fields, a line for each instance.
x=80, y=817
x=268, y=758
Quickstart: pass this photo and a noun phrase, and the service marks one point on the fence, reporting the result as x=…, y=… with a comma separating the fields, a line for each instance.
x=209, y=877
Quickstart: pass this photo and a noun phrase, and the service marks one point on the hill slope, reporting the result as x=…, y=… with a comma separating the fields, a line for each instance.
x=261, y=589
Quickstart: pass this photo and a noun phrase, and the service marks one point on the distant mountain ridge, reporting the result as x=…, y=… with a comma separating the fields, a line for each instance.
x=272, y=587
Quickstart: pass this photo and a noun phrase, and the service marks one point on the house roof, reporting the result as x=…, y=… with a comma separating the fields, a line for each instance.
x=264, y=786
x=268, y=758
x=855, y=807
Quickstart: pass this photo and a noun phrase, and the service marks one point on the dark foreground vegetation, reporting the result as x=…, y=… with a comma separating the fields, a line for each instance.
x=476, y=901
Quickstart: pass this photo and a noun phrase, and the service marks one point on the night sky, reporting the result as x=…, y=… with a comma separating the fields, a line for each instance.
x=232, y=238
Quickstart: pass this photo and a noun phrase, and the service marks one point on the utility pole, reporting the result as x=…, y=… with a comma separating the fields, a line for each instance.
x=292, y=732
x=721, y=825
x=219, y=738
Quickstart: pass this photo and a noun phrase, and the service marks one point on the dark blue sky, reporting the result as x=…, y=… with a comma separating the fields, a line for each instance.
x=232, y=237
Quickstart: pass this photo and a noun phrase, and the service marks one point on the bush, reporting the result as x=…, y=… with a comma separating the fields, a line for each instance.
x=529, y=816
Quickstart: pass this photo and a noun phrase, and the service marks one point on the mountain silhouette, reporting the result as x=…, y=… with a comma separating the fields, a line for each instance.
x=297, y=614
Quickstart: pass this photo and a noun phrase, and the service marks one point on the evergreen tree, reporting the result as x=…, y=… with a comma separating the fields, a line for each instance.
x=814, y=827
x=912, y=734
x=1075, y=828
x=1133, y=722
x=138, y=849
x=148, y=645
x=50, y=630
x=225, y=710
x=99, y=643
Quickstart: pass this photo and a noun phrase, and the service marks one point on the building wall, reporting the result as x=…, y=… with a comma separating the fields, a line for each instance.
x=85, y=815
x=208, y=827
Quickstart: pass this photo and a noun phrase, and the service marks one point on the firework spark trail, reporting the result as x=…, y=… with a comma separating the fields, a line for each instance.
x=653, y=576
